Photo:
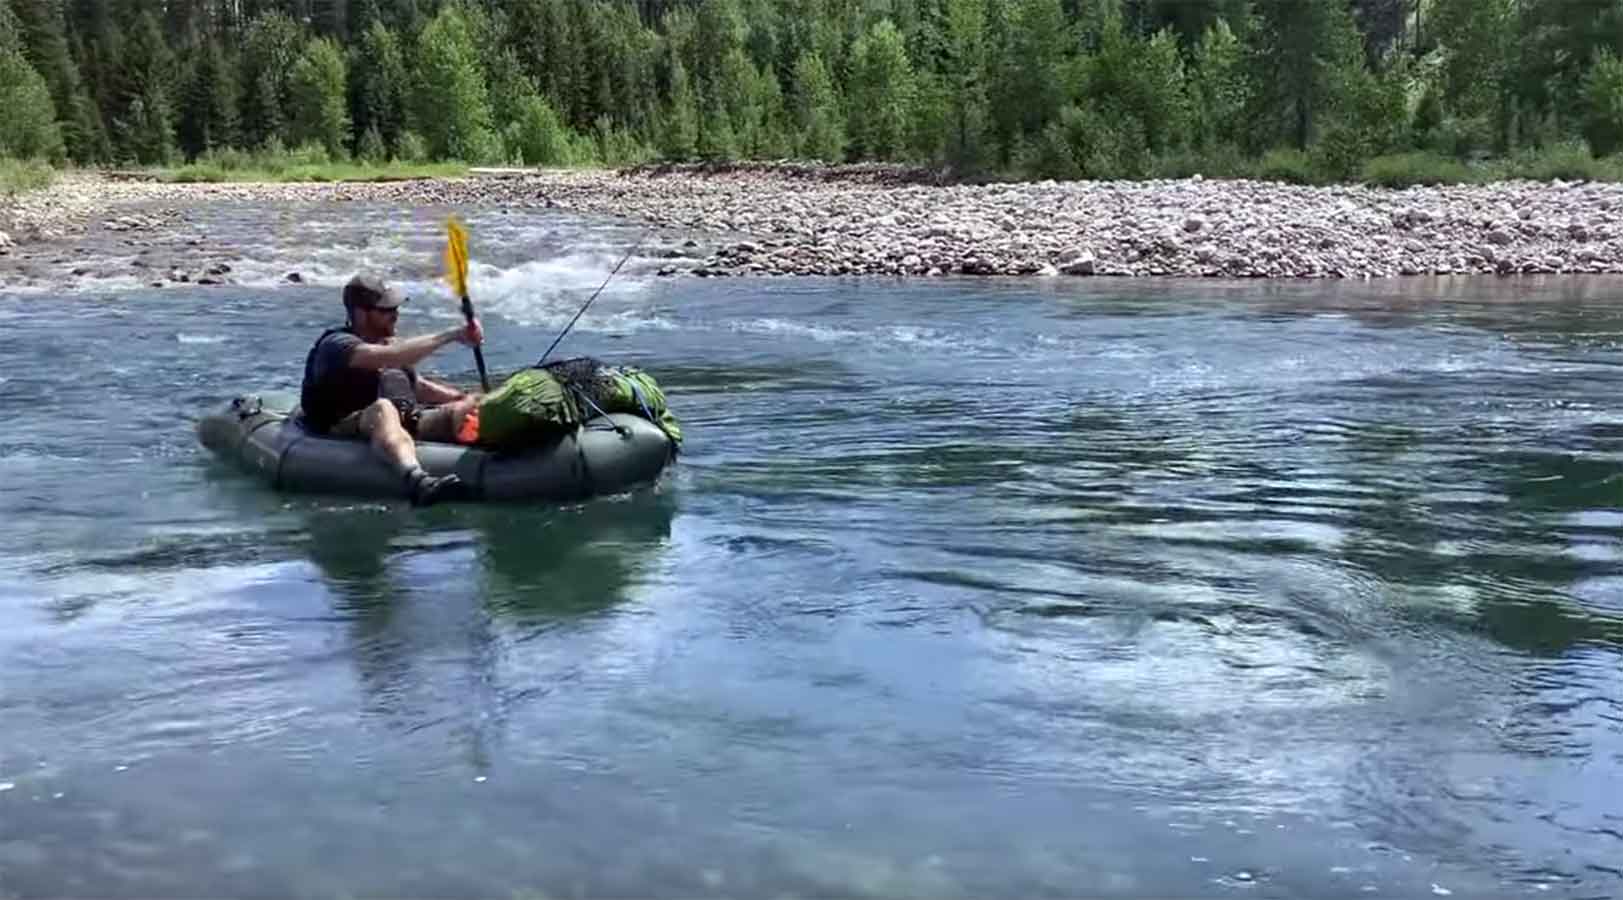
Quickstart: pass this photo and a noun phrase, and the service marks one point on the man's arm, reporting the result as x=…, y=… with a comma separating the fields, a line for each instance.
x=404, y=353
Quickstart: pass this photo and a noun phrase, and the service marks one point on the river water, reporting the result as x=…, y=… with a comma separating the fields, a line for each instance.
x=961, y=588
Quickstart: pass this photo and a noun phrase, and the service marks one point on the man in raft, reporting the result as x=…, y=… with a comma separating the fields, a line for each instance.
x=359, y=381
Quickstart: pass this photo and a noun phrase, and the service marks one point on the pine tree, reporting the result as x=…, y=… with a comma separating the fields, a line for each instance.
x=1029, y=86
x=528, y=37
x=1383, y=25
x=881, y=93
x=1560, y=39
x=624, y=73
x=679, y=134
x=1188, y=19
x=270, y=48
x=1603, y=103
x=766, y=136
x=102, y=64
x=144, y=127
x=1295, y=56
x=362, y=13
x=208, y=118
x=735, y=81
x=1158, y=93
x=28, y=126
x=509, y=89
x=718, y=140
x=1478, y=40
x=452, y=103
x=817, y=116
x=594, y=84
x=965, y=80
x=379, y=82
x=41, y=26
x=719, y=31
x=331, y=18
x=11, y=38
x=318, y=89
x=561, y=58
x=1217, y=88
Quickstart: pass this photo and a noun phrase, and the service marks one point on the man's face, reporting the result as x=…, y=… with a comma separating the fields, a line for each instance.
x=378, y=324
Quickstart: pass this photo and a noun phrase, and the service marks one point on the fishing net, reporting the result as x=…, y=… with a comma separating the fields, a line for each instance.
x=599, y=387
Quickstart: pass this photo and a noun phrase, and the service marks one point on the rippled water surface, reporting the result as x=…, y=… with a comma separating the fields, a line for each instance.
x=961, y=588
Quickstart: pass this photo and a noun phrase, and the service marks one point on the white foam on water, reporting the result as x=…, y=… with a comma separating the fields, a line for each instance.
x=545, y=292
x=889, y=336
x=820, y=333
x=329, y=264
x=63, y=282
x=201, y=338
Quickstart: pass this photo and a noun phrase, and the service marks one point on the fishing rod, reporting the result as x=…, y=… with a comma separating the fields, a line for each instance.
x=582, y=310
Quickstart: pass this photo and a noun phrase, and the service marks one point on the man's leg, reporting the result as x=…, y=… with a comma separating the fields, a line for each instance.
x=390, y=441
x=441, y=423
x=380, y=422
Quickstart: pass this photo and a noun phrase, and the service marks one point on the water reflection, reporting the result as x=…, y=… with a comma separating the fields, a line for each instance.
x=570, y=561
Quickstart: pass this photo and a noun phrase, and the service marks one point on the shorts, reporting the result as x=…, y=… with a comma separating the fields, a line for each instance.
x=435, y=423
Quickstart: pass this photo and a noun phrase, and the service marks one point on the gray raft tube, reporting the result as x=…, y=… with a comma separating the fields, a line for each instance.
x=261, y=433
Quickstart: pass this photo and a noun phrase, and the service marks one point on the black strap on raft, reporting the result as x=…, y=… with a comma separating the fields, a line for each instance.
x=619, y=429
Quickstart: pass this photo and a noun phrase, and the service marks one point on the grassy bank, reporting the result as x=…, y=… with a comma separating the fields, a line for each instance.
x=18, y=176
x=275, y=171
x=324, y=172
x=1564, y=162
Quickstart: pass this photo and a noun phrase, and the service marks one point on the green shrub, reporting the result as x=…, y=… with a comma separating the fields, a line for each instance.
x=309, y=153
x=1085, y=143
x=1222, y=161
x=28, y=126
x=19, y=176
x=412, y=149
x=538, y=135
x=1602, y=103
x=1564, y=160
x=226, y=159
x=618, y=147
x=1400, y=170
x=372, y=150
x=1288, y=165
x=1051, y=154
x=1462, y=137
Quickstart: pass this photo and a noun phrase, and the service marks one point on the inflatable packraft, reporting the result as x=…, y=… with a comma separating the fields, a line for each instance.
x=608, y=453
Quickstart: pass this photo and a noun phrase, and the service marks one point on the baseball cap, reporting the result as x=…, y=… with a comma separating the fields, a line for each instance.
x=371, y=291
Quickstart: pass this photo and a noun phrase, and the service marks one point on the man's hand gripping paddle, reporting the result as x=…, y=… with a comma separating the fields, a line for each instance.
x=456, y=271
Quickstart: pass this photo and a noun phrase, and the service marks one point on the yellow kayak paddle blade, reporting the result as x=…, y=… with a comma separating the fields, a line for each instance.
x=456, y=257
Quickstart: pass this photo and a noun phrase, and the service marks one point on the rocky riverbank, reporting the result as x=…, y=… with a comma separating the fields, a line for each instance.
x=780, y=220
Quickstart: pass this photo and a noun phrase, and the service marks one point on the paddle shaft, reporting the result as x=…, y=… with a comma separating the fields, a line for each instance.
x=478, y=352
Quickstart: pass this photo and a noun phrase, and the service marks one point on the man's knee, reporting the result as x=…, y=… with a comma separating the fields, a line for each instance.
x=381, y=415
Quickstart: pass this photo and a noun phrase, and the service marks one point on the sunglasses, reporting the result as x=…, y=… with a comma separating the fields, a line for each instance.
x=391, y=313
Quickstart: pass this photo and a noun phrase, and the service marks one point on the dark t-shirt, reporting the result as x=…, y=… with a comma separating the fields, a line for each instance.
x=332, y=388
